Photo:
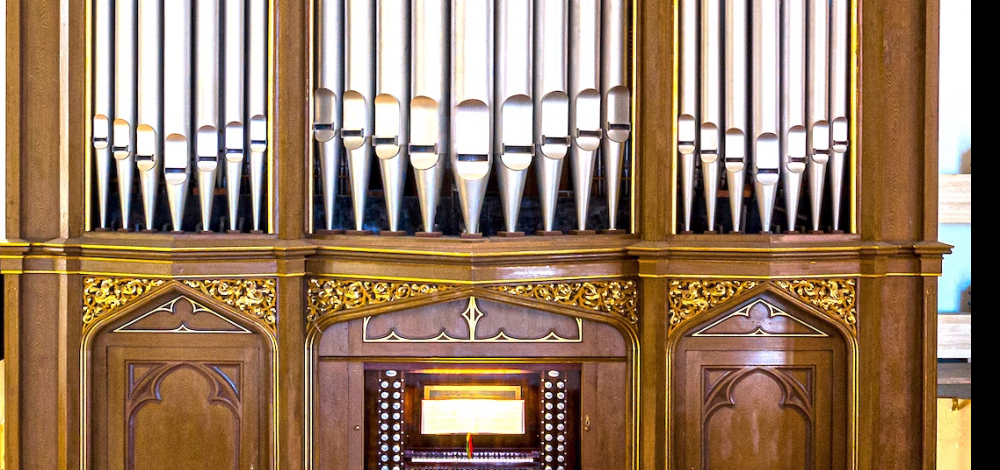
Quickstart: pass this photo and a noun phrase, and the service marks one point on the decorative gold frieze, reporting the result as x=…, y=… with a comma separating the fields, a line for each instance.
x=836, y=297
x=256, y=298
x=332, y=295
x=104, y=295
x=689, y=298
x=619, y=297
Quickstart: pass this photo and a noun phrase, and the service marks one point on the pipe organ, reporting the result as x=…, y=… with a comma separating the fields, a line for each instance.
x=153, y=140
x=179, y=96
x=519, y=87
x=760, y=83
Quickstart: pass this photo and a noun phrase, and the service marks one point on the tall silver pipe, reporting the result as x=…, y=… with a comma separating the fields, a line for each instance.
x=177, y=109
x=359, y=113
x=616, y=107
x=735, y=150
x=234, y=102
x=551, y=102
x=104, y=106
x=711, y=103
x=392, y=113
x=327, y=99
x=149, y=132
x=584, y=99
x=818, y=138
x=766, y=101
x=206, y=106
x=793, y=112
x=429, y=110
x=257, y=58
x=123, y=146
x=514, y=110
x=839, y=96
x=472, y=101
x=687, y=120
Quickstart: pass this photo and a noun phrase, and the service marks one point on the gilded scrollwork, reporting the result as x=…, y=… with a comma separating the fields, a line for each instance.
x=617, y=297
x=332, y=295
x=256, y=298
x=836, y=297
x=104, y=295
x=689, y=298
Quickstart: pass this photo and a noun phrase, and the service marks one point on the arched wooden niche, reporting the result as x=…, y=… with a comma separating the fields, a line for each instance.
x=178, y=379
x=465, y=329
x=764, y=382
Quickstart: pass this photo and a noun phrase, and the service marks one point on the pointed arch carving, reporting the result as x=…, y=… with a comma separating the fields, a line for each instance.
x=835, y=298
x=254, y=299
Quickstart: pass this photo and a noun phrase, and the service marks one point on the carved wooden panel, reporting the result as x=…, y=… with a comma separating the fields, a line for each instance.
x=763, y=385
x=179, y=386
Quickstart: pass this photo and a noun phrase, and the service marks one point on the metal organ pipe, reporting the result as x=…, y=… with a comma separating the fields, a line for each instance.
x=472, y=100
x=818, y=102
x=687, y=140
x=233, y=108
x=839, y=126
x=584, y=99
x=711, y=102
x=616, y=106
x=793, y=112
x=327, y=99
x=104, y=69
x=206, y=107
x=257, y=101
x=551, y=103
x=123, y=146
x=735, y=148
x=429, y=110
x=359, y=116
x=514, y=110
x=149, y=131
x=392, y=126
x=177, y=109
x=766, y=101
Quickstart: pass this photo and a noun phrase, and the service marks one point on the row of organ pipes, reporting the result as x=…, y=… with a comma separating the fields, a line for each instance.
x=180, y=88
x=433, y=84
x=789, y=115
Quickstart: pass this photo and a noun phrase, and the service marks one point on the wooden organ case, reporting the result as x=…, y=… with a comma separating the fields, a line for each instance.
x=605, y=234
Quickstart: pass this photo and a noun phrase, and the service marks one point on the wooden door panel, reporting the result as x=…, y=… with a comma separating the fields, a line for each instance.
x=762, y=389
x=192, y=408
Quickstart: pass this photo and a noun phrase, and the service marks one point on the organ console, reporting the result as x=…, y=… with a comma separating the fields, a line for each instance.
x=425, y=417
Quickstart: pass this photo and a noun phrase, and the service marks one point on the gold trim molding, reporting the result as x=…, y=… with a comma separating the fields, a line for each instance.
x=618, y=297
x=332, y=295
x=835, y=297
x=255, y=298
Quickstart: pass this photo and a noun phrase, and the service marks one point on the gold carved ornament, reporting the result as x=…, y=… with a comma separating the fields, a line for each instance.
x=331, y=295
x=836, y=297
x=104, y=295
x=254, y=297
x=690, y=298
x=619, y=297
